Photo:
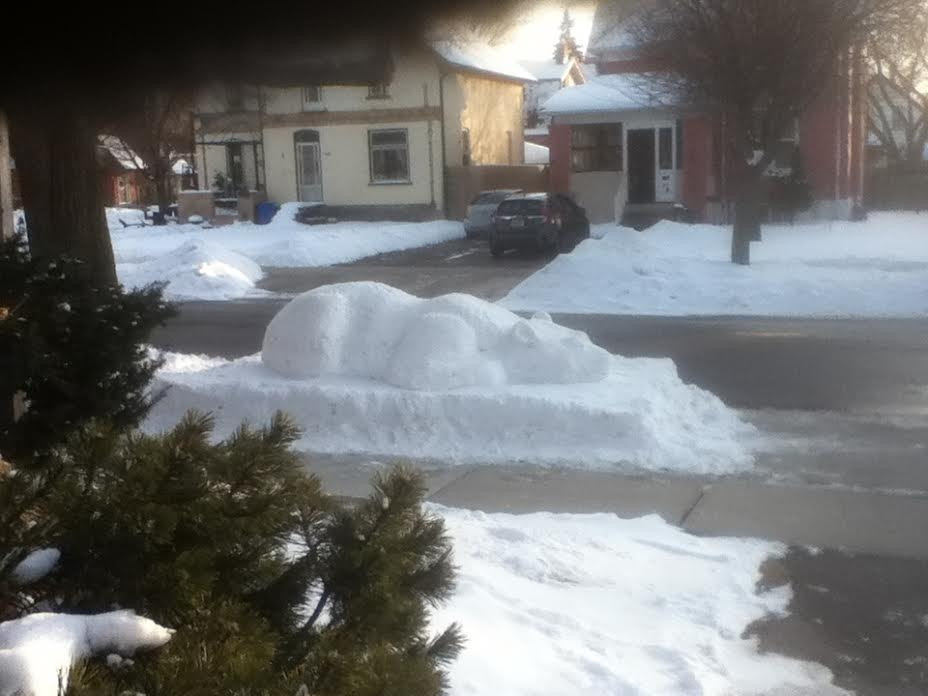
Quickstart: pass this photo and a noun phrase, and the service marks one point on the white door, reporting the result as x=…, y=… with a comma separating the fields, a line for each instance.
x=309, y=172
x=665, y=186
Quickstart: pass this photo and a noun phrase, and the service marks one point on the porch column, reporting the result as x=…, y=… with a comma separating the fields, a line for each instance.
x=6, y=181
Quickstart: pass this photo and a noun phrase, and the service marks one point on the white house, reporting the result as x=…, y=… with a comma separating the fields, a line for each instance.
x=371, y=138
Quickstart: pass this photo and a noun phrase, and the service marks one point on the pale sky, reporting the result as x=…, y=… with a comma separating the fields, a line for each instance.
x=535, y=36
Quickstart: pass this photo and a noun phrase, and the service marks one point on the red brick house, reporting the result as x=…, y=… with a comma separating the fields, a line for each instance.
x=614, y=145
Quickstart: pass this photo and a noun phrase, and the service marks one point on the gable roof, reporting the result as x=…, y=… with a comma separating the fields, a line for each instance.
x=481, y=58
x=548, y=69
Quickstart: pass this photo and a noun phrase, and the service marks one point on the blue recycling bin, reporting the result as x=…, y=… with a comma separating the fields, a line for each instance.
x=265, y=212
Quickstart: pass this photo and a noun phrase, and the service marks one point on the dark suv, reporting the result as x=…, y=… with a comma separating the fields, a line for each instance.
x=549, y=222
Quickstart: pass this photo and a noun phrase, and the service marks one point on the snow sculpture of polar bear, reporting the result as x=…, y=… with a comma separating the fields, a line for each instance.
x=375, y=332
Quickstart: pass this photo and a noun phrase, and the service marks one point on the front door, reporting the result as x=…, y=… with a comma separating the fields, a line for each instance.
x=309, y=172
x=641, y=165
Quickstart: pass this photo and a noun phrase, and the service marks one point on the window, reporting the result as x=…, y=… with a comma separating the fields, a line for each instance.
x=235, y=97
x=312, y=94
x=665, y=148
x=596, y=148
x=235, y=165
x=379, y=90
x=389, y=156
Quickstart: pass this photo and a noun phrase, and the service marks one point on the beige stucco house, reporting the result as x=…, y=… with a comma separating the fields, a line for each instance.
x=373, y=141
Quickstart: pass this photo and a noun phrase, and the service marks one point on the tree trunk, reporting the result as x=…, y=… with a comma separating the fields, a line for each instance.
x=56, y=158
x=747, y=220
x=162, y=175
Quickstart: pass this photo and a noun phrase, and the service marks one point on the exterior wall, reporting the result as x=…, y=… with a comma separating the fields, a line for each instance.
x=345, y=165
x=697, y=162
x=596, y=192
x=490, y=109
x=559, y=150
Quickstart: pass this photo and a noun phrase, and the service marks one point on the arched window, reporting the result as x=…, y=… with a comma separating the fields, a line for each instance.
x=306, y=136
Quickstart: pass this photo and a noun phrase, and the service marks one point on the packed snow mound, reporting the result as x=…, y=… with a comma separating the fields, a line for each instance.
x=588, y=605
x=373, y=331
x=367, y=369
x=197, y=269
x=37, y=650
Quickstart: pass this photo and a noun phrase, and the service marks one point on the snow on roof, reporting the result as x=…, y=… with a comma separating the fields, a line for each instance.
x=536, y=154
x=624, y=92
x=123, y=155
x=541, y=130
x=547, y=69
x=480, y=57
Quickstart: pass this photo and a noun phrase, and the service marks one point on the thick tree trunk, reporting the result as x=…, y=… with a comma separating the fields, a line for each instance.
x=56, y=158
x=747, y=220
x=162, y=177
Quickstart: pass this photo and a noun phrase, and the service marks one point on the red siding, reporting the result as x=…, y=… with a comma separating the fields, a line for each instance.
x=697, y=161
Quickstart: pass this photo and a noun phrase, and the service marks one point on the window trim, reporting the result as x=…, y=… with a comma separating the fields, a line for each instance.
x=370, y=157
x=312, y=103
x=378, y=90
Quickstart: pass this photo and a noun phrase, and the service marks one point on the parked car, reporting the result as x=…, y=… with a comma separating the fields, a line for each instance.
x=549, y=222
x=478, y=222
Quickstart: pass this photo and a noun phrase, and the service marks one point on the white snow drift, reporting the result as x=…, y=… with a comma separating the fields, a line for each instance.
x=592, y=604
x=365, y=368
x=873, y=268
x=39, y=649
x=35, y=566
x=224, y=262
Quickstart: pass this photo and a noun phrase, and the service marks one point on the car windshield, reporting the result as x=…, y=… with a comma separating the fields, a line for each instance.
x=521, y=206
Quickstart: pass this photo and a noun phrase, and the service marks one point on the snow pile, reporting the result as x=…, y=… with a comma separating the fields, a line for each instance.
x=593, y=604
x=196, y=270
x=536, y=154
x=368, y=369
x=120, y=218
x=873, y=268
x=221, y=262
x=35, y=566
x=38, y=650
x=377, y=332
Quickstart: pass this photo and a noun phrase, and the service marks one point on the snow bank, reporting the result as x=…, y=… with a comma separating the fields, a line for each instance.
x=196, y=270
x=593, y=604
x=368, y=369
x=224, y=262
x=873, y=268
x=35, y=566
x=38, y=650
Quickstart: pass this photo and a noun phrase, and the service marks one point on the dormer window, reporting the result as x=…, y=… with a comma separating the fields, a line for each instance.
x=379, y=90
x=312, y=95
x=235, y=97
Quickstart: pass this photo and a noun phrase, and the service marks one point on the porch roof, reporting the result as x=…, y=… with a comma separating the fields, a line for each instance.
x=624, y=92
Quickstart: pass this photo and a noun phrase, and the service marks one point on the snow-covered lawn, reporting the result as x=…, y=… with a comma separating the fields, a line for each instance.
x=224, y=263
x=550, y=604
x=365, y=368
x=593, y=605
x=874, y=268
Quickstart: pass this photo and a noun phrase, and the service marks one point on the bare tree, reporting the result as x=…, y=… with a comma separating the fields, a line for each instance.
x=155, y=131
x=758, y=64
x=898, y=91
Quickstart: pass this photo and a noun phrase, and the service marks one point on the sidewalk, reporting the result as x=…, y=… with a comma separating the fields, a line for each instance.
x=856, y=521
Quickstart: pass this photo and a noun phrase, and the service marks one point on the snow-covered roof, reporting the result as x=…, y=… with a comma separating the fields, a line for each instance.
x=607, y=93
x=547, y=69
x=124, y=156
x=540, y=130
x=476, y=56
x=536, y=154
